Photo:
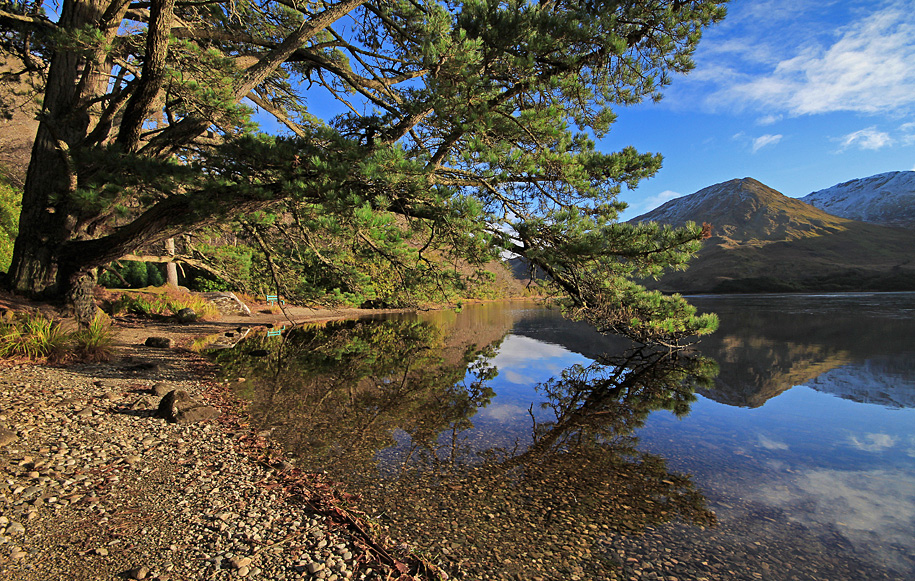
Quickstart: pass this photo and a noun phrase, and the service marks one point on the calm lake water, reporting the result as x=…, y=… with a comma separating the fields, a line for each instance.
x=508, y=443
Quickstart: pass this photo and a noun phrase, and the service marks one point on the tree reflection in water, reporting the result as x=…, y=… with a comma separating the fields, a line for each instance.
x=379, y=406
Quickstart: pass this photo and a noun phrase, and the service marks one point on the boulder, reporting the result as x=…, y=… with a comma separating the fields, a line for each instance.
x=179, y=407
x=160, y=342
x=161, y=388
x=227, y=303
x=186, y=315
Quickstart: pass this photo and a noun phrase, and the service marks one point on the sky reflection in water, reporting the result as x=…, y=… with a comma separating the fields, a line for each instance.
x=782, y=447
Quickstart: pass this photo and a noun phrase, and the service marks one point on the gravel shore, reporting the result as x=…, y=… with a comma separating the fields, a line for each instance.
x=95, y=485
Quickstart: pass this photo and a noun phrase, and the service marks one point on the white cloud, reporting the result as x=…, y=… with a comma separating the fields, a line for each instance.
x=650, y=203
x=869, y=138
x=860, y=505
x=665, y=196
x=503, y=412
x=765, y=141
x=769, y=119
x=874, y=442
x=908, y=133
x=515, y=377
x=770, y=444
x=866, y=66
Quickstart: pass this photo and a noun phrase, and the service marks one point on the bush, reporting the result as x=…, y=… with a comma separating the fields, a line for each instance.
x=32, y=335
x=137, y=275
x=94, y=342
x=10, y=207
x=161, y=302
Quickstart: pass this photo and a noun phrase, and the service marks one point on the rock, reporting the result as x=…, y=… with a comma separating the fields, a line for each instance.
x=137, y=573
x=109, y=385
x=15, y=528
x=101, y=551
x=161, y=388
x=186, y=315
x=239, y=562
x=258, y=353
x=179, y=407
x=227, y=303
x=160, y=342
x=7, y=437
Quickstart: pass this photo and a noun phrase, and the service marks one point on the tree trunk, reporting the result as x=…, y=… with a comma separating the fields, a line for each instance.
x=46, y=222
x=171, y=269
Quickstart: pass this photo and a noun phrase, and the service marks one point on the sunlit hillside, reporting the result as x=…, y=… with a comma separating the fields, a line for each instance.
x=763, y=240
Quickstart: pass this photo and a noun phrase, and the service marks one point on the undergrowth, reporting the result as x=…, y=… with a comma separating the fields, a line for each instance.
x=162, y=302
x=94, y=342
x=33, y=335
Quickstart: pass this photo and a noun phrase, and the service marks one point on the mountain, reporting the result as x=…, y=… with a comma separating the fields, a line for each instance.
x=18, y=109
x=882, y=382
x=887, y=198
x=764, y=241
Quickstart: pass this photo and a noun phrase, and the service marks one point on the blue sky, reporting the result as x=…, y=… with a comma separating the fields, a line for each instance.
x=798, y=94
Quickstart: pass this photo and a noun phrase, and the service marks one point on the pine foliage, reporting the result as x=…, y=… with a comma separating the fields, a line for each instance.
x=468, y=129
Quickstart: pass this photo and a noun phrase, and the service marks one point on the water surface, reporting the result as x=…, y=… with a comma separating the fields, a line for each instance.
x=507, y=442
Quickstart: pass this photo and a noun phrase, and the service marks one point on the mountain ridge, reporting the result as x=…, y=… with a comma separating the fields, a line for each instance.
x=887, y=198
x=764, y=241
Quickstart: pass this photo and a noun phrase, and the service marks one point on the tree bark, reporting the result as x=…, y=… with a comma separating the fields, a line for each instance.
x=45, y=223
x=171, y=269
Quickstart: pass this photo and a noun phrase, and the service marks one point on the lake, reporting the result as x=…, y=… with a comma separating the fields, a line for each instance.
x=505, y=442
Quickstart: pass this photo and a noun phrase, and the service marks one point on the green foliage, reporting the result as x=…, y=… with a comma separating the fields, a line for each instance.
x=137, y=274
x=235, y=261
x=94, y=342
x=469, y=130
x=10, y=207
x=163, y=302
x=32, y=335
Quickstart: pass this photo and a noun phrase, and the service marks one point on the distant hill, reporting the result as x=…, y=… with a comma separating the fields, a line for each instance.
x=764, y=241
x=887, y=198
x=18, y=108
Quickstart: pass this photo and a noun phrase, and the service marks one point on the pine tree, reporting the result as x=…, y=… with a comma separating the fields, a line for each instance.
x=473, y=121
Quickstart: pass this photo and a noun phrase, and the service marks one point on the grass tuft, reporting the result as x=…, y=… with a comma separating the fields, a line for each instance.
x=94, y=343
x=161, y=302
x=32, y=335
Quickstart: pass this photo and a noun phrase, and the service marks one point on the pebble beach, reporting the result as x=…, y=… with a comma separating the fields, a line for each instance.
x=94, y=484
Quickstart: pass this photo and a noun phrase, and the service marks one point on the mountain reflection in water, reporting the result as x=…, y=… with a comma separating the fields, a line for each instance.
x=388, y=407
x=556, y=467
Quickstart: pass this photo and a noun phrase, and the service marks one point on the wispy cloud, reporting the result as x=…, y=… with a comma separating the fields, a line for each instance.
x=869, y=138
x=770, y=444
x=907, y=131
x=769, y=119
x=867, y=66
x=651, y=202
x=874, y=442
x=765, y=141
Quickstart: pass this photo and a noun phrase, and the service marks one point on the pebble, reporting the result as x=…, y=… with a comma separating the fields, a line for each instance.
x=96, y=459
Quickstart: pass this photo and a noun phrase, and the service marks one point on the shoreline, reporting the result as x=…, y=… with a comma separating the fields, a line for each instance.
x=96, y=486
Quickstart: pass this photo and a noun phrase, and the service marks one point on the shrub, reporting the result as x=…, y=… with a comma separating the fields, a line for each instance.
x=94, y=342
x=32, y=335
x=163, y=301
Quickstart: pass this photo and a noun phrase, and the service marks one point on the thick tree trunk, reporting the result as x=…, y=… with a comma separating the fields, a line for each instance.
x=45, y=224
